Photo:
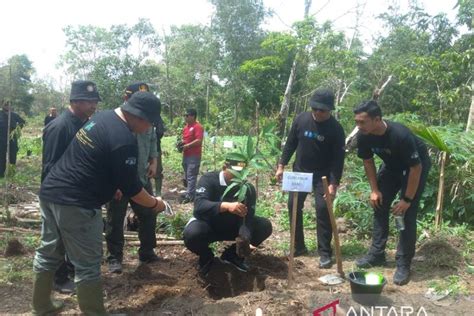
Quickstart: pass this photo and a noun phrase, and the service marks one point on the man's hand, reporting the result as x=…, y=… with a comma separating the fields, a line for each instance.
x=118, y=195
x=236, y=208
x=279, y=173
x=332, y=188
x=151, y=171
x=376, y=199
x=400, y=208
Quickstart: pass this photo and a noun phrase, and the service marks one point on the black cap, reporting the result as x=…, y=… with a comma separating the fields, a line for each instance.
x=84, y=90
x=191, y=112
x=322, y=99
x=134, y=87
x=235, y=163
x=145, y=105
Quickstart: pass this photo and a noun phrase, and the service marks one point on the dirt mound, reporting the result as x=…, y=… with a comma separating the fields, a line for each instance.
x=14, y=248
x=439, y=253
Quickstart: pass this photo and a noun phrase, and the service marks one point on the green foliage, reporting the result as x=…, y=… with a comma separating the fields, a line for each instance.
x=174, y=226
x=452, y=284
x=353, y=247
x=15, y=82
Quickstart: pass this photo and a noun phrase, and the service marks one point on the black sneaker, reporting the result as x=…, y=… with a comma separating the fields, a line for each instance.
x=115, y=266
x=325, y=262
x=232, y=258
x=203, y=269
x=67, y=287
x=402, y=275
x=370, y=260
x=187, y=199
x=300, y=252
x=149, y=259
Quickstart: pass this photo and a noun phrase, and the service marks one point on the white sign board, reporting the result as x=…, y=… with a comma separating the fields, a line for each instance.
x=297, y=182
x=228, y=144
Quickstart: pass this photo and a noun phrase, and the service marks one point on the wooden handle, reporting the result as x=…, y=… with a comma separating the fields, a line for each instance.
x=334, y=227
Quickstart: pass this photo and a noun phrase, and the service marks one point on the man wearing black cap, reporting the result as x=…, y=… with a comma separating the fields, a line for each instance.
x=56, y=137
x=193, y=134
x=318, y=140
x=404, y=170
x=101, y=158
x=15, y=122
x=218, y=218
x=117, y=207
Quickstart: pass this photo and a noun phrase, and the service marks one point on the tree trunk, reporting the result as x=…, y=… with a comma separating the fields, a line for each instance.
x=440, y=198
x=470, y=120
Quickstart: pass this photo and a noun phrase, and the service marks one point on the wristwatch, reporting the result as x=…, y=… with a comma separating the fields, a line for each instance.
x=407, y=199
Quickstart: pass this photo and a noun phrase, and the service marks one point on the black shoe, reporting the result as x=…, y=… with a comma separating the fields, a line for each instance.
x=231, y=257
x=402, y=274
x=67, y=287
x=370, y=260
x=203, y=269
x=149, y=259
x=187, y=199
x=300, y=252
x=325, y=262
x=115, y=266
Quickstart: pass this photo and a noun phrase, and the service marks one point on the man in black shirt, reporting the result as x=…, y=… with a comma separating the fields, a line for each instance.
x=318, y=139
x=218, y=218
x=56, y=138
x=53, y=113
x=101, y=158
x=404, y=169
x=15, y=122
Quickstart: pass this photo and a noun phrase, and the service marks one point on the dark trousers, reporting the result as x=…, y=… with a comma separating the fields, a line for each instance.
x=65, y=270
x=390, y=183
x=3, y=156
x=116, y=211
x=323, y=224
x=199, y=234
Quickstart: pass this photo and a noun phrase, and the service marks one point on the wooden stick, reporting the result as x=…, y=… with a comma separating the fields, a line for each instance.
x=440, y=198
x=334, y=227
x=160, y=243
x=292, y=239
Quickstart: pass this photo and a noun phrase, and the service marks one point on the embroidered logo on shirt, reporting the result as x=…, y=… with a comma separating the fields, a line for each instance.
x=414, y=155
x=131, y=161
x=89, y=126
x=314, y=135
x=191, y=129
x=381, y=151
x=201, y=190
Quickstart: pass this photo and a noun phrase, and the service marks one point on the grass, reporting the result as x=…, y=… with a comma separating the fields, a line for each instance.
x=452, y=284
x=353, y=247
x=16, y=269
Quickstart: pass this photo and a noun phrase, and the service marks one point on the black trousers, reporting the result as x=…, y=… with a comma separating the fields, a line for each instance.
x=390, y=183
x=65, y=270
x=116, y=211
x=323, y=224
x=198, y=234
x=3, y=156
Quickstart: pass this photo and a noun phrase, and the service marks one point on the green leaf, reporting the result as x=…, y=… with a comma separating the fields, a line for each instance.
x=431, y=137
x=243, y=192
x=250, y=148
x=236, y=156
x=237, y=175
x=232, y=185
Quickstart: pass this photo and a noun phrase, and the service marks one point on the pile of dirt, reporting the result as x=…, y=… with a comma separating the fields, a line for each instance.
x=440, y=253
x=14, y=248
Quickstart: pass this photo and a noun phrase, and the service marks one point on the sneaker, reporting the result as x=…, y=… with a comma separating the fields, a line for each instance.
x=203, y=269
x=68, y=287
x=370, y=260
x=325, y=262
x=187, y=199
x=300, y=252
x=402, y=275
x=115, y=266
x=149, y=259
x=232, y=258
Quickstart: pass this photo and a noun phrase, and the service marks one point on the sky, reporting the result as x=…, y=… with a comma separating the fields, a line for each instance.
x=34, y=27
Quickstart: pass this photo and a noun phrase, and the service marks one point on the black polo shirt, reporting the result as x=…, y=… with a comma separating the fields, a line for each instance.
x=15, y=121
x=319, y=147
x=56, y=137
x=101, y=158
x=398, y=147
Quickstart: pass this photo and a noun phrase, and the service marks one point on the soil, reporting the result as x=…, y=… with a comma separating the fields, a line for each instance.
x=172, y=286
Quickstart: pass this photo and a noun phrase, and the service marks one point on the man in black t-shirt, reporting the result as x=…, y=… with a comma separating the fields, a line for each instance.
x=218, y=218
x=101, y=158
x=318, y=139
x=56, y=138
x=15, y=122
x=404, y=170
x=53, y=113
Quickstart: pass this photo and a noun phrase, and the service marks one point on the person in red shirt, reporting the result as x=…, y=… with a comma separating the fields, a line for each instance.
x=192, y=148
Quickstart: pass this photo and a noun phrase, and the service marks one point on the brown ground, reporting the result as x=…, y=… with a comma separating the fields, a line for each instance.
x=172, y=287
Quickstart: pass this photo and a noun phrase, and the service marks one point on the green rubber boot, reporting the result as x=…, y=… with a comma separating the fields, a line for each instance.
x=42, y=289
x=91, y=298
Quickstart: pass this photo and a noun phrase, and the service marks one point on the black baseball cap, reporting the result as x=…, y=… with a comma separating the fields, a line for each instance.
x=145, y=105
x=84, y=90
x=134, y=87
x=191, y=112
x=322, y=99
x=235, y=163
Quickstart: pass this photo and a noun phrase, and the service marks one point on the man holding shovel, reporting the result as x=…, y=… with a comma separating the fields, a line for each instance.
x=318, y=139
x=218, y=218
x=404, y=169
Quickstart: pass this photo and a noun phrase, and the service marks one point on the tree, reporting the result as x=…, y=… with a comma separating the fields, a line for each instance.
x=15, y=82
